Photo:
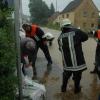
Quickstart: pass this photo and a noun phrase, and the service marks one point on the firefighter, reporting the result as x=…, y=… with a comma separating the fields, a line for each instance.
x=70, y=45
x=36, y=33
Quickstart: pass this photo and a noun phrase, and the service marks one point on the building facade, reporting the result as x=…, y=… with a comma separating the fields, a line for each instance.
x=83, y=14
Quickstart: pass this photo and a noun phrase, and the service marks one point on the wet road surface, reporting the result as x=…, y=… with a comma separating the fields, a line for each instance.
x=53, y=80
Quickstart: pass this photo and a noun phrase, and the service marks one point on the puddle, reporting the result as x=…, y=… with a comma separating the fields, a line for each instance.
x=71, y=96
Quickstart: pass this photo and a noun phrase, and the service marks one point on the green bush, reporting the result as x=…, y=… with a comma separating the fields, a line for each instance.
x=53, y=26
x=7, y=65
x=7, y=57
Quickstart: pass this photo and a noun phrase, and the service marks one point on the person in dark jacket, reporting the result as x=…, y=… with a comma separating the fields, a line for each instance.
x=28, y=47
x=70, y=45
x=36, y=33
x=97, y=54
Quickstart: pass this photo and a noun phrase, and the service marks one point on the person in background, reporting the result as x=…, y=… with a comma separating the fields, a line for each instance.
x=70, y=45
x=97, y=54
x=36, y=33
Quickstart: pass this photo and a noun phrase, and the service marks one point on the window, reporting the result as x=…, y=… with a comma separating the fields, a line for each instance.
x=67, y=15
x=85, y=14
x=92, y=25
x=93, y=14
x=84, y=24
x=62, y=16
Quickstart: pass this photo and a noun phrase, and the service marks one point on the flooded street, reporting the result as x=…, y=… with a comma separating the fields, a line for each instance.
x=90, y=83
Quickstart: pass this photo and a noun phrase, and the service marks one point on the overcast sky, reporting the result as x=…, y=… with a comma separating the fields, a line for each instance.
x=61, y=4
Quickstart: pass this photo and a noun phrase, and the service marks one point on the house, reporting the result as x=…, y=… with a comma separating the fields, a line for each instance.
x=83, y=14
x=53, y=18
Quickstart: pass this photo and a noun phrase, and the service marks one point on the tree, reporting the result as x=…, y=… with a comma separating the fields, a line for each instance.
x=3, y=8
x=39, y=11
x=52, y=9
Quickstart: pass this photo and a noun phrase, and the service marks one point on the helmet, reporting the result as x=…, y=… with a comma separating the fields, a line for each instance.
x=65, y=22
x=48, y=35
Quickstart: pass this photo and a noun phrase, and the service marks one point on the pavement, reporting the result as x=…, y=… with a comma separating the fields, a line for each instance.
x=53, y=80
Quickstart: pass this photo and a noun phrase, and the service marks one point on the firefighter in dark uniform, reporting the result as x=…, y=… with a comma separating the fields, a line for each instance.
x=70, y=45
x=36, y=33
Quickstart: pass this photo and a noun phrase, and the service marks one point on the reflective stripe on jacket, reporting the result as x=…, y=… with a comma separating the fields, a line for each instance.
x=70, y=44
x=33, y=33
x=34, y=28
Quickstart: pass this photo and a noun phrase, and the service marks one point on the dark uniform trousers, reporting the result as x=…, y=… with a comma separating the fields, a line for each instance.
x=45, y=50
x=76, y=77
x=97, y=60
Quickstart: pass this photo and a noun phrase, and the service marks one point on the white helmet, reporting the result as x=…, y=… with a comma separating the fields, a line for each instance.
x=65, y=22
x=48, y=36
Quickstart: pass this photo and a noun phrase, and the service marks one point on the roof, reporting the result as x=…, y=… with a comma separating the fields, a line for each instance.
x=72, y=6
x=54, y=16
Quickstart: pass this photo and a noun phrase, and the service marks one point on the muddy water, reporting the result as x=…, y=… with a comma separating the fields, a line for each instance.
x=52, y=82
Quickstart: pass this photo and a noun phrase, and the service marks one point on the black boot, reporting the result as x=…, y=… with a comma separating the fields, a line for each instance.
x=77, y=90
x=63, y=89
x=77, y=85
x=64, y=82
x=50, y=43
x=49, y=64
